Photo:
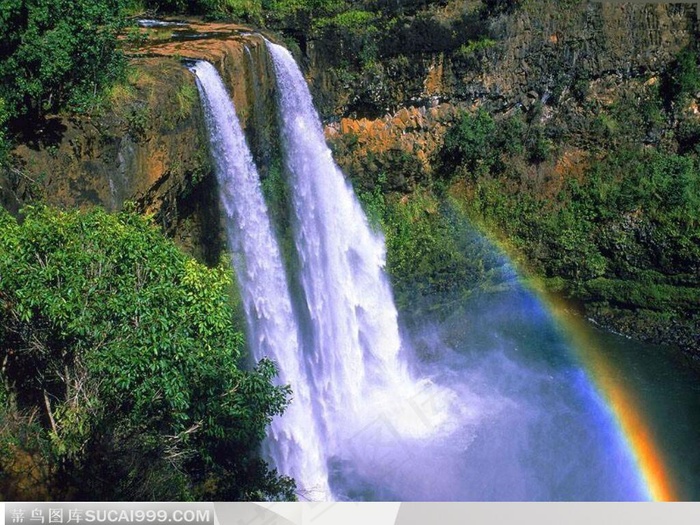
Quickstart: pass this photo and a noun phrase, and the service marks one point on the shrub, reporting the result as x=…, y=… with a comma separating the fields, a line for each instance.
x=56, y=54
x=127, y=348
x=683, y=77
x=468, y=143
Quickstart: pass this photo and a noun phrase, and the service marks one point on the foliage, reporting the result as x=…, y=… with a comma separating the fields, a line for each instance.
x=186, y=98
x=636, y=113
x=253, y=11
x=468, y=143
x=615, y=226
x=500, y=6
x=683, y=78
x=351, y=20
x=477, y=145
x=56, y=53
x=250, y=10
x=688, y=136
x=127, y=348
x=633, y=219
x=474, y=46
x=434, y=257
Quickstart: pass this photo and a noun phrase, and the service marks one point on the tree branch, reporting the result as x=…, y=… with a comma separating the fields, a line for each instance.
x=47, y=403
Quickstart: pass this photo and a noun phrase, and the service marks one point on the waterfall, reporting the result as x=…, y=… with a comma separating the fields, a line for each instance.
x=514, y=420
x=358, y=374
x=293, y=442
x=352, y=392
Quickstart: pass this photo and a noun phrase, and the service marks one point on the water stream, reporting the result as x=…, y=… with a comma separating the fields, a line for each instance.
x=293, y=444
x=499, y=407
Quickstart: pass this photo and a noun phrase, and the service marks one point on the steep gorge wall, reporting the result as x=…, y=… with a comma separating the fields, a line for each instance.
x=568, y=70
x=562, y=63
x=457, y=53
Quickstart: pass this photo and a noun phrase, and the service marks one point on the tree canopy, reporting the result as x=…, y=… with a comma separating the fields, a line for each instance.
x=120, y=366
x=56, y=53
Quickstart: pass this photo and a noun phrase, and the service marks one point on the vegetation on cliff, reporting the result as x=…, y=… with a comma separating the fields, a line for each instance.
x=119, y=374
x=622, y=235
x=55, y=55
x=589, y=174
x=124, y=371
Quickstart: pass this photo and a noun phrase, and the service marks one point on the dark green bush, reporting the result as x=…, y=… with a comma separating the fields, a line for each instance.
x=469, y=144
x=683, y=77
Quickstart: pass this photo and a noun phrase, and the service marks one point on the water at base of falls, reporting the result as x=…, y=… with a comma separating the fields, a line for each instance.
x=533, y=428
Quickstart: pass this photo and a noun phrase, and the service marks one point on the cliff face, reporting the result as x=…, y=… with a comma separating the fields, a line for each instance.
x=459, y=51
x=400, y=145
x=585, y=81
x=146, y=142
x=560, y=63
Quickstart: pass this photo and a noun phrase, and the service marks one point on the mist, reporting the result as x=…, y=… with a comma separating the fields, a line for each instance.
x=520, y=419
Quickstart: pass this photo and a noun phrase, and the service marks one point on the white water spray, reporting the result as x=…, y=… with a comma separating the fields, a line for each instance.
x=531, y=431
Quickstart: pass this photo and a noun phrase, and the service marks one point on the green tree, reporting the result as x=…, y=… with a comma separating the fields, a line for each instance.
x=469, y=143
x=126, y=349
x=56, y=53
x=683, y=77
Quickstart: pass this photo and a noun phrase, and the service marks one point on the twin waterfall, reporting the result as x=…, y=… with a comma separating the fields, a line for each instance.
x=336, y=341
x=295, y=444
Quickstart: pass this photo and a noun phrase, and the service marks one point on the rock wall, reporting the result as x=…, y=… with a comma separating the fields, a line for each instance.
x=400, y=145
x=540, y=50
x=146, y=141
x=565, y=69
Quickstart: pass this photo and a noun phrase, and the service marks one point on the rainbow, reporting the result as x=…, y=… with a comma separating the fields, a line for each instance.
x=629, y=419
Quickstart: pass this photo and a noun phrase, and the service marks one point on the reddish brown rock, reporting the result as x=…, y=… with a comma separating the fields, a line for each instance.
x=404, y=142
x=146, y=141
